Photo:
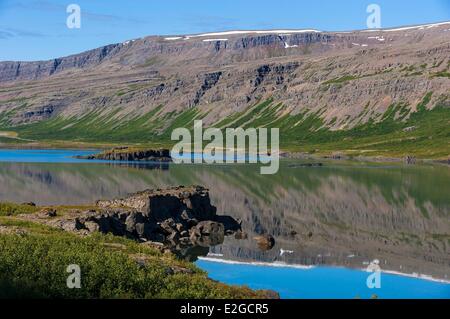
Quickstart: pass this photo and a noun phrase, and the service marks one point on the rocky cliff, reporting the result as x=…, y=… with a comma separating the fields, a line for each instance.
x=141, y=89
x=13, y=71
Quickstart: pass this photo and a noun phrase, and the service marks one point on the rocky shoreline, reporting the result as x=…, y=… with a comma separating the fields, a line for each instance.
x=140, y=246
x=130, y=155
x=337, y=156
x=175, y=219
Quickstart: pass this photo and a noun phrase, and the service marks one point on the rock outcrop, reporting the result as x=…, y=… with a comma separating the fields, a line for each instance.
x=178, y=216
x=131, y=155
x=265, y=242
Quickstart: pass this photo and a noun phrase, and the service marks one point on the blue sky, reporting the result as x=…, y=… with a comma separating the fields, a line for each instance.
x=36, y=29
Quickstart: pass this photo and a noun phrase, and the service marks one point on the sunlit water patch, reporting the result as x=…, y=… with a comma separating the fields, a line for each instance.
x=322, y=282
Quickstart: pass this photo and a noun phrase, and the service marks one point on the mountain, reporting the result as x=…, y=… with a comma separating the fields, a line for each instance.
x=383, y=92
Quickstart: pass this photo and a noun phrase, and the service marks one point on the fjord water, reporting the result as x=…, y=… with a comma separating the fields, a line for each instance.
x=42, y=156
x=333, y=219
x=323, y=282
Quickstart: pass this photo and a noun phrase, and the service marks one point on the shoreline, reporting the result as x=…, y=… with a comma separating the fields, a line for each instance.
x=132, y=240
x=336, y=156
x=306, y=267
x=333, y=156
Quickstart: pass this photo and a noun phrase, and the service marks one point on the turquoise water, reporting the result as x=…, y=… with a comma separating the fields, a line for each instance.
x=334, y=218
x=44, y=156
x=323, y=282
x=68, y=156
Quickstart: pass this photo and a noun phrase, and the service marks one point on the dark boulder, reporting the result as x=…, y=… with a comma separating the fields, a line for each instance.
x=265, y=242
x=207, y=233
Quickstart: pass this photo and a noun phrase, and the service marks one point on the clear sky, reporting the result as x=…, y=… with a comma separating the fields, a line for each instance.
x=36, y=29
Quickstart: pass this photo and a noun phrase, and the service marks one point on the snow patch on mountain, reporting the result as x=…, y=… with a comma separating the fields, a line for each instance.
x=214, y=34
x=214, y=40
x=416, y=27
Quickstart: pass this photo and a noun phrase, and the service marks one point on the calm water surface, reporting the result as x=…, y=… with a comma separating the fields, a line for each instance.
x=323, y=282
x=333, y=219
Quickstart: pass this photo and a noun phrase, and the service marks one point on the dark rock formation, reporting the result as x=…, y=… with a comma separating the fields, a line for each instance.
x=207, y=233
x=191, y=204
x=179, y=217
x=130, y=155
x=210, y=80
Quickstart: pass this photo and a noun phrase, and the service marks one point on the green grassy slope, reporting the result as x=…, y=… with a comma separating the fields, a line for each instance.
x=428, y=136
x=35, y=257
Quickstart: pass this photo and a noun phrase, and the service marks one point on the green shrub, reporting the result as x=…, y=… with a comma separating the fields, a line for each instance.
x=34, y=266
x=10, y=209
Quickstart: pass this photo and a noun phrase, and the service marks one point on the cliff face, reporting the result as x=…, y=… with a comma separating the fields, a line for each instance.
x=344, y=79
x=13, y=71
x=137, y=51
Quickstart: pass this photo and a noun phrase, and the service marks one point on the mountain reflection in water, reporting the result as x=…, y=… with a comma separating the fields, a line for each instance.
x=338, y=214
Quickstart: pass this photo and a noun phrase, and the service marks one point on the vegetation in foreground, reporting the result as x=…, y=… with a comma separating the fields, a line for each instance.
x=398, y=132
x=35, y=257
